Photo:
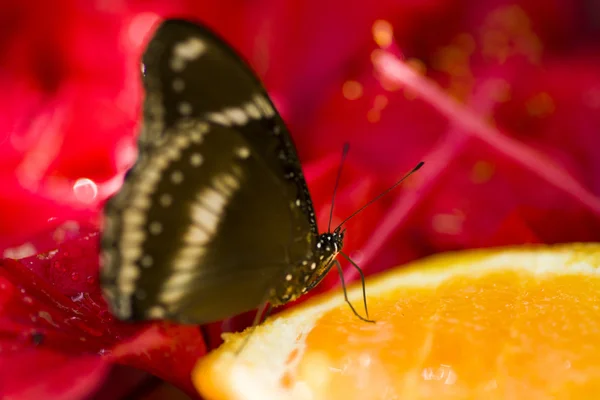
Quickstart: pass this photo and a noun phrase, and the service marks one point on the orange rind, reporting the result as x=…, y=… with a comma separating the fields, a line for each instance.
x=484, y=324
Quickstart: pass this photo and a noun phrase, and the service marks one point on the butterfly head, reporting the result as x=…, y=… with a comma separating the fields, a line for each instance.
x=329, y=245
x=307, y=274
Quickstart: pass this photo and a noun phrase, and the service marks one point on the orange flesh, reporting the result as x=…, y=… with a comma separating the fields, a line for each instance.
x=502, y=335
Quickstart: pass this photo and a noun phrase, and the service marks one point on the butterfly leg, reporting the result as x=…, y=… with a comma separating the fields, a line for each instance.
x=258, y=318
x=362, y=280
x=341, y=272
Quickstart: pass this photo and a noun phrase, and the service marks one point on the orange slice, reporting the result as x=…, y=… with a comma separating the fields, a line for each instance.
x=516, y=323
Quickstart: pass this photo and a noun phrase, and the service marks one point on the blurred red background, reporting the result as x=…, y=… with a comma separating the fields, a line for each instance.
x=500, y=98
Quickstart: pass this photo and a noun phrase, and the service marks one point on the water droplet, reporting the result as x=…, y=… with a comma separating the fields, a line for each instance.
x=75, y=276
x=91, y=279
x=77, y=297
x=58, y=266
x=85, y=190
x=27, y=300
x=104, y=352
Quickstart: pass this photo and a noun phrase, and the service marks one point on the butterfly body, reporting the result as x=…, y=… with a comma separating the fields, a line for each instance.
x=215, y=217
x=309, y=272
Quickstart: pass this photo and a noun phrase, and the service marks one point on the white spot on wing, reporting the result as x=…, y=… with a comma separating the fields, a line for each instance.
x=218, y=118
x=133, y=217
x=196, y=159
x=185, y=108
x=178, y=84
x=186, y=51
x=174, y=295
x=131, y=273
x=165, y=200
x=189, y=257
x=237, y=115
x=243, y=152
x=253, y=111
x=155, y=228
x=147, y=261
x=177, y=177
x=154, y=126
x=156, y=312
x=264, y=105
x=226, y=183
x=178, y=280
x=204, y=217
x=197, y=131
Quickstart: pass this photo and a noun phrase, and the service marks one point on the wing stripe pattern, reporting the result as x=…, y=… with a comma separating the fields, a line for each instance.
x=185, y=52
x=205, y=215
x=134, y=217
x=256, y=109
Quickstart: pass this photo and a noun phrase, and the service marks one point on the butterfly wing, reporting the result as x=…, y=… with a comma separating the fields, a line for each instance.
x=190, y=71
x=216, y=208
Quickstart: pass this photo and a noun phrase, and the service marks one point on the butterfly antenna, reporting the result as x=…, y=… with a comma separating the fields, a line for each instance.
x=337, y=182
x=415, y=169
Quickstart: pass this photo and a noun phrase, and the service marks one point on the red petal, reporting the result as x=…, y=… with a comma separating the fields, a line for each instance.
x=497, y=171
x=68, y=317
x=44, y=374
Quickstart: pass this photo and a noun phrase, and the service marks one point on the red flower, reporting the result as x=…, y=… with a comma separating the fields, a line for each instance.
x=501, y=99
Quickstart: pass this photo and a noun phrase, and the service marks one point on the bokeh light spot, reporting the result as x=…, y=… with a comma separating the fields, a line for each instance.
x=383, y=33
x=482, y=172
x=540, y=105
x=449, y=224
x=352, y=90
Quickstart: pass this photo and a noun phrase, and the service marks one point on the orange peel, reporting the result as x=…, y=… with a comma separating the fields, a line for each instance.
x=521, y=322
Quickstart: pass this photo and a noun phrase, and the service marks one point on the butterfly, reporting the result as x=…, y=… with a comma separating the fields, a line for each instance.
x=215, y=217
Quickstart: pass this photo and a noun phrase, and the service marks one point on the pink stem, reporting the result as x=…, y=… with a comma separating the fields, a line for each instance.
x=471, y=123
